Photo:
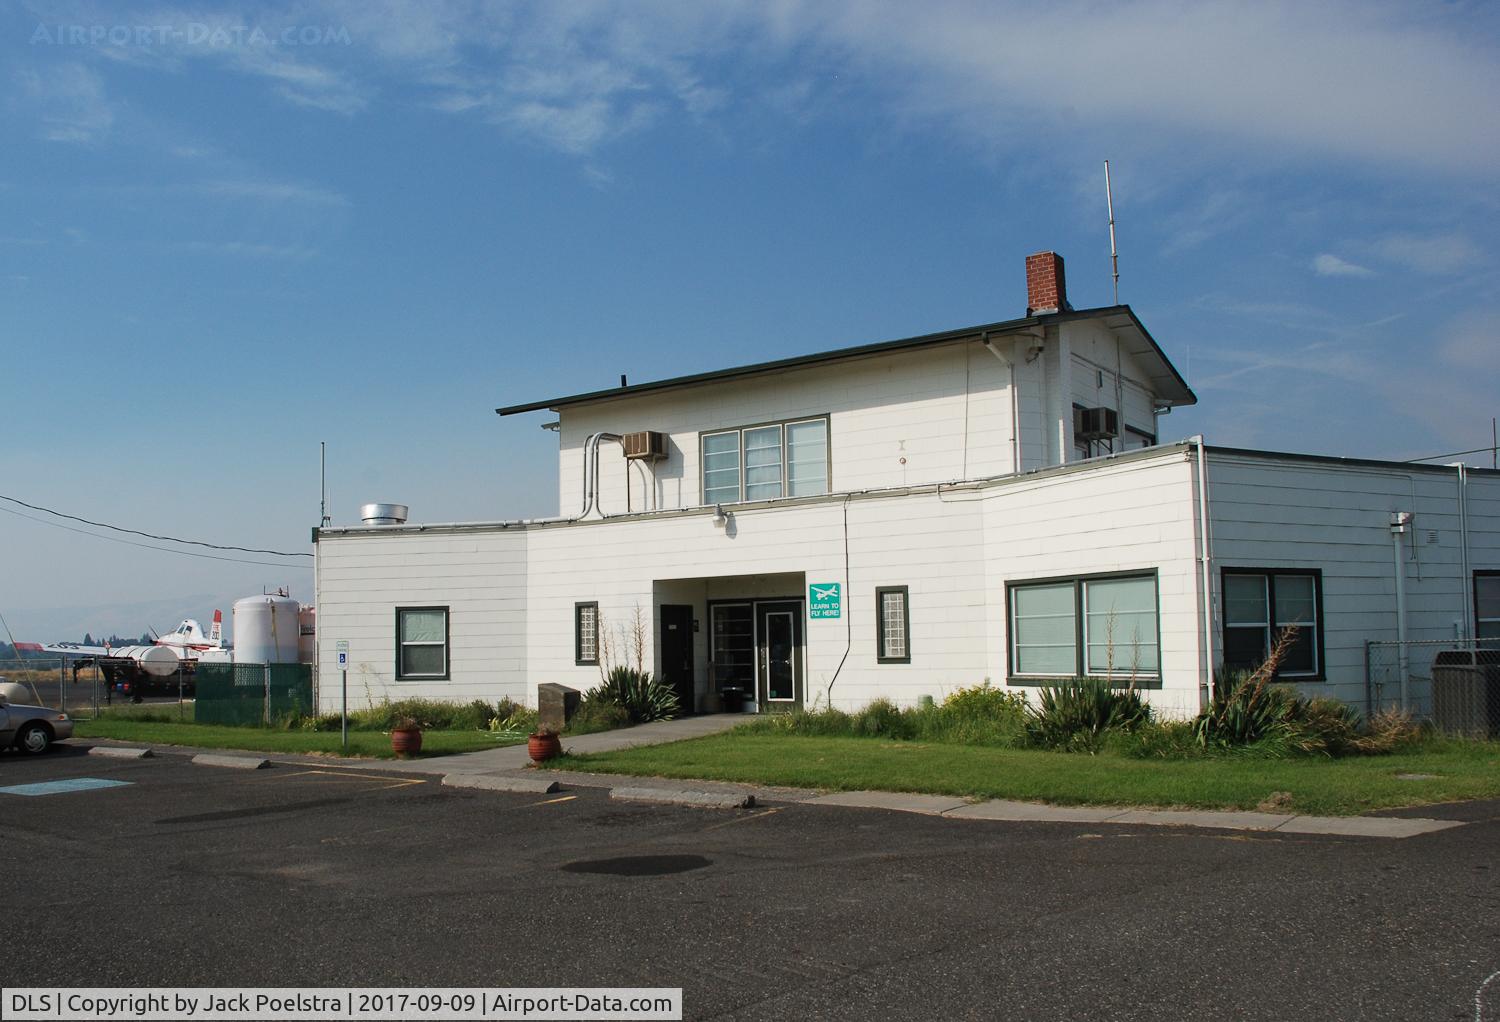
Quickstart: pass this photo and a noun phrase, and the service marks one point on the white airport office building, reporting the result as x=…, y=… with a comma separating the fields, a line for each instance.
x=905, y=518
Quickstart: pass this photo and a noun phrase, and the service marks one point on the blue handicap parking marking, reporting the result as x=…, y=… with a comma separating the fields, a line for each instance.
x=61, y=787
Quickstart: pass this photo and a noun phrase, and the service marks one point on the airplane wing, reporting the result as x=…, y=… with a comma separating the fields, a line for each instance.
x=72, y=649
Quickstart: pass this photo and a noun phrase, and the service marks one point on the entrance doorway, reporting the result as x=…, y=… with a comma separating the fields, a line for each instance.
x=756, y=651
x=677, y=653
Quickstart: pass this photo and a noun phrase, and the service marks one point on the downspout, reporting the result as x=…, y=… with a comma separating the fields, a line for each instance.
x=1009, y=362
x=1466, y=583
x=1205, y=560
x=848, y=604
x=1400, y=520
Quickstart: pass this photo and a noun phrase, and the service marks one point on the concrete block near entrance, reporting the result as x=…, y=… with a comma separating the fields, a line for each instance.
x=901, y=802
x=530, y=784
x=555, y=706
x=684, y=797
x=232, y=762
x=118, y=752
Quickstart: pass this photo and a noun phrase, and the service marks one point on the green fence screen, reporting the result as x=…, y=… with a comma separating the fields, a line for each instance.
x=241, y=694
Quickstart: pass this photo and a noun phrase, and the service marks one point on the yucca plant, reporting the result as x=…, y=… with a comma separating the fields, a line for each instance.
x=645, y=698
x=1251, y=709
x=1076, y=716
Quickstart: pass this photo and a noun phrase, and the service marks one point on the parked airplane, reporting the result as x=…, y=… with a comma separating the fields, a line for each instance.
x=135, y=666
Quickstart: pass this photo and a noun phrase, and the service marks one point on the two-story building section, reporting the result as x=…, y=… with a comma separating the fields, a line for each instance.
x=904, y=518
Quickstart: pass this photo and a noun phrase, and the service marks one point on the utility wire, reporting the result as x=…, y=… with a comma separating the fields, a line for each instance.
x=152, y=546
x=149, y=535
x=1435, y=457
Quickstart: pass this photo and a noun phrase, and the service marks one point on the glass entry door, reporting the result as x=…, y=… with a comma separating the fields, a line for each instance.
x=779, y=655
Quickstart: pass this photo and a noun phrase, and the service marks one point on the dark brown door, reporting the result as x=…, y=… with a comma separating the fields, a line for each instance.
x=677, y=653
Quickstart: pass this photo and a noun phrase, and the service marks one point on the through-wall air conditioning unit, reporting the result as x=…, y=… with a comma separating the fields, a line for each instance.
x=647, y=445
x=1095, y=423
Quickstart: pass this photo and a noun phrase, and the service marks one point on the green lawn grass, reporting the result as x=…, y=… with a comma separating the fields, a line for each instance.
x=1463, y=770
x=361, y=743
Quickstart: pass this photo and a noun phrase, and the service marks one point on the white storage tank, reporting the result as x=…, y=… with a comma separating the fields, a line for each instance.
x=266, y=630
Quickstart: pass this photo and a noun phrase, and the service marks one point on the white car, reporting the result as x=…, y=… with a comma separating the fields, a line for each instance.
x=30, y=728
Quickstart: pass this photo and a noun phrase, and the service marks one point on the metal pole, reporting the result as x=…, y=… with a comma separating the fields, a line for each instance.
x=179, y=690
x=1114, y=259
x=344, y=723
x=1402, y=660
x=62, y=685
x=267, y=712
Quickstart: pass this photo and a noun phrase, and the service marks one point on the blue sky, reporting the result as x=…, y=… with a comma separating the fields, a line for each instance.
x=230, y=232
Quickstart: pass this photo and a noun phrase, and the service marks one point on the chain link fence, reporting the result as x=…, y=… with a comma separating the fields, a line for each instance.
x=1455, y=685
x=240, y=694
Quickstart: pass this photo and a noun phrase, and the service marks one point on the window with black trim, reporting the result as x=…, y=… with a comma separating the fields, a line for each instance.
x=1261, y=603
x=1487, y=605
x=422, y=643
x=893, y=625
x=776, y=459
x=585, y=633
x=1100, y=626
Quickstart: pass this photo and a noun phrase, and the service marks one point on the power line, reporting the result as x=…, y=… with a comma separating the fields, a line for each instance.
x=1435, y=457
x=149, y=535
x=150, y=546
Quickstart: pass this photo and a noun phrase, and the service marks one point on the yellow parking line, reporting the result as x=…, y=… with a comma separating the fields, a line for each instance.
x=554, y=801
x=390, y=782
x=743, y=819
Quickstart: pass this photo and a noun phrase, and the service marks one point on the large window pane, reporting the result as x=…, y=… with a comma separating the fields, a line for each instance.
x=763, y=463
x=733, y=645
x=807, y=458
x=1245, y=600
x=1044, y=626
x=422, y=626
x=1487, y=603
x=1120, y=625
x=721, y=468
x=1296, y=603
x=422, y=660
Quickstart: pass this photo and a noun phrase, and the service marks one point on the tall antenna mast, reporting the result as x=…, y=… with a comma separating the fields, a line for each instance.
x=1114, y=258
x=322, y=483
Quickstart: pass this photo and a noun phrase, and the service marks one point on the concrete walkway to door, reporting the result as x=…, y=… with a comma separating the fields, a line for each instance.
x=514, y=757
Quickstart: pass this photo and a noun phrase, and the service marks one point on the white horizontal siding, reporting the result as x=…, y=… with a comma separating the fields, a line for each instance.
x=1290, y=513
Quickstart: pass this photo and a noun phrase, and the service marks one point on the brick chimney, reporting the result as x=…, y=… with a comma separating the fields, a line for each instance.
x=1046, y=289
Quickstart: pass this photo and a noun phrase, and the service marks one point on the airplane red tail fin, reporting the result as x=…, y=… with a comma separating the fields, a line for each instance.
x=216, y=634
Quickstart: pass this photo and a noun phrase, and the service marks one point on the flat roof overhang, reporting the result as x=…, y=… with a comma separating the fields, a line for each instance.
x=1170, y=389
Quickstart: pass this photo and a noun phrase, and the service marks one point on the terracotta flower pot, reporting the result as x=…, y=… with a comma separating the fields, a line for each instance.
x=542, y=747
x=406, y=741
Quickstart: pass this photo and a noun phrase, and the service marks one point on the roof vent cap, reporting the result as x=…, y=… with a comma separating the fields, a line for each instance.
x=383, y=514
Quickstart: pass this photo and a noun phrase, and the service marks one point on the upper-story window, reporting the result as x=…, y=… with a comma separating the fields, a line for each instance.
x=778, y=459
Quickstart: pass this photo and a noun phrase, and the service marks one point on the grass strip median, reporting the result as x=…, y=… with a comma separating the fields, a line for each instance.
x=1433, y=772
x=209, y=736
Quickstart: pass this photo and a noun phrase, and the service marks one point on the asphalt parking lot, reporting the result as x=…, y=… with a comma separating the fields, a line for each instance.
x=311, y=876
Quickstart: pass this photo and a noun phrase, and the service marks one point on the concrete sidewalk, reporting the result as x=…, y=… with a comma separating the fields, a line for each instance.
x=515, y=757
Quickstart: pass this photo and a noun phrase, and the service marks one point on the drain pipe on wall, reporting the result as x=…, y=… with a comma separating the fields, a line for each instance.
x=1464, y=585
x=1009, y=361
x=1208, y=585
x=1400, y=522
x=848, y=606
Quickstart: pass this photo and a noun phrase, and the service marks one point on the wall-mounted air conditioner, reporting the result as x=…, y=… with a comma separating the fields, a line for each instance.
x=1095, y=423
x=647, y=445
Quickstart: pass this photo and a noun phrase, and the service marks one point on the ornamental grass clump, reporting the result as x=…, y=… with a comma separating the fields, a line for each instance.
x=1079, y=715
x=642, y=696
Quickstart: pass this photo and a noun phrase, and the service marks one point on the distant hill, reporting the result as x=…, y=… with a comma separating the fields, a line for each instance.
x=71, y=624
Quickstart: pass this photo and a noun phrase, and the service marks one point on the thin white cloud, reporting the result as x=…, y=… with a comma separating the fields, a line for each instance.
x=266, y=190
x=1437, y=254
x=1381, y=86
x=68, y=101
x=1326, y=264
